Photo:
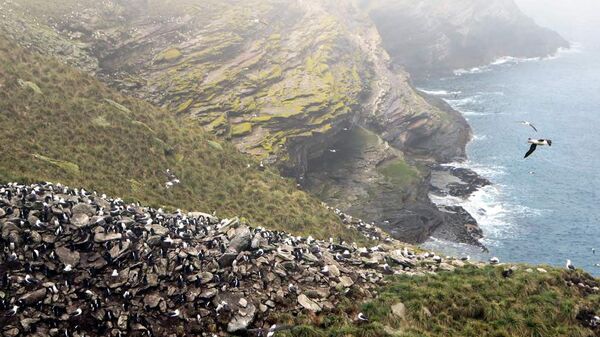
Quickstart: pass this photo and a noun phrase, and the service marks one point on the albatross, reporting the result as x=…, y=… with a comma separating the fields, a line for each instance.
x=526, y=123
x=534, y=144
x=569, y=265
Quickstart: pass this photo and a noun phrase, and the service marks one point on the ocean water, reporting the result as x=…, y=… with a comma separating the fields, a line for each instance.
x=546, y=208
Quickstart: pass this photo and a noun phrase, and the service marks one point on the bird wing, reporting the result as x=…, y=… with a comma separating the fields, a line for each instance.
x=531, y=149
x=533, y=127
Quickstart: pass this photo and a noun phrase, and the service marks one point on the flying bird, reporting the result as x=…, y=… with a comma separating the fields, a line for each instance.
x=526, y=123
x=534, y=144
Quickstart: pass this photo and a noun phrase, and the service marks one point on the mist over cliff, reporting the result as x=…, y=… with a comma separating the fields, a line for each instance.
x=434, y=37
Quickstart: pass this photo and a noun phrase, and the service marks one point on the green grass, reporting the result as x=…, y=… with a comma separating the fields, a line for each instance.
x=470, y=301
x=84, y=134
x=399, y=172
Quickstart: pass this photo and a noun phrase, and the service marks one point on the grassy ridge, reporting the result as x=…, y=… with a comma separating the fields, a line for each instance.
x=468, y=302
x=76, y=131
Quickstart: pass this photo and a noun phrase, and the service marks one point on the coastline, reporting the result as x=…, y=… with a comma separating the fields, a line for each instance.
x=462, y=189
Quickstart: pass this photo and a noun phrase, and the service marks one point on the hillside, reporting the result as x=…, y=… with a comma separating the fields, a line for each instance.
x=74, y=263
x=288, y=82
x=472, y=301
x=64, y=126
x=432, y=38
x=285, y=88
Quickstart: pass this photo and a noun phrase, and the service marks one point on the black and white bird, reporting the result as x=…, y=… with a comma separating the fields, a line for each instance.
x=494, y=260
x=569, y=265
x=174, y=313
x=594, y=251
x=13, y=311
x=534, y=144
x=77, y=312
x=526, y=123
x=362, y=317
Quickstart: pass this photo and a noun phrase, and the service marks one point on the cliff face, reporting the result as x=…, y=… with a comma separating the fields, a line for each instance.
x=431, y=37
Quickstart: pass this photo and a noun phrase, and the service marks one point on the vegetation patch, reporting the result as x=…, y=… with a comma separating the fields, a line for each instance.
x=470, y=302
x=241, y=129
x=399, y=172
x=31, y=86
x=118, y=106
x=169, y=55
x=69, y=167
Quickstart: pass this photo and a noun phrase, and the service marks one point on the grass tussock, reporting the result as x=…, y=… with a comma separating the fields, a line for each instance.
x=82, y=133
x=468, y=302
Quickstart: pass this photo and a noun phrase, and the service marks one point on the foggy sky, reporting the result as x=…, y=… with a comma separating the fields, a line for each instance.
x=576, y=20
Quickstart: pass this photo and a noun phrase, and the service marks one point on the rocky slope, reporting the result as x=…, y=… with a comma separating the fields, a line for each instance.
x=74, y=263
x=431, y=37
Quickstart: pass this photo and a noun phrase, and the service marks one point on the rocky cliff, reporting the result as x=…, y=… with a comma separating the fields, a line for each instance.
x=307, y=86
x=433, y=37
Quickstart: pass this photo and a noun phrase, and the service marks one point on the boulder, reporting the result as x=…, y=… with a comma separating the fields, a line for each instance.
x=104, y=237
x=34, y=296
x=83, y=208
x=399, y=310
x=67, y=256
x=308, y=304
x=152, y=300
x=242, y=319
x=241, y=241
x=80, y=220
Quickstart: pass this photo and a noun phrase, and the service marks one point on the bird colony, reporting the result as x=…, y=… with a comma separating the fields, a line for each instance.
x=74, y=263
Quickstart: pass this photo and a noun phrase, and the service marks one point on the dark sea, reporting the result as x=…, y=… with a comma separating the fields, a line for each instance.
x=546, y=208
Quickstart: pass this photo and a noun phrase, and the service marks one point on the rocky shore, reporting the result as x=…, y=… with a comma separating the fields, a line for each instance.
x=460, y=226
x=75, y=263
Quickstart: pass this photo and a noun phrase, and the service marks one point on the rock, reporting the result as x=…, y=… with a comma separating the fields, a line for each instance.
x=241, y=241
x=152, y=300
x=333, y=270
x=34, y=297
x=243, y=302
x=308, y=304
x=82, y=208
x=446, y=267
x=226, y=260
x=242, y=319
x=541, y=270
x=157, y=229
x=67, y=256
x=27, y=323
x=399, y=310
x=80, y=220
x=104, y=237
x=258, y=241
x=208, y=293
x=122, y=322
x=346, y=282
x=11, y=332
